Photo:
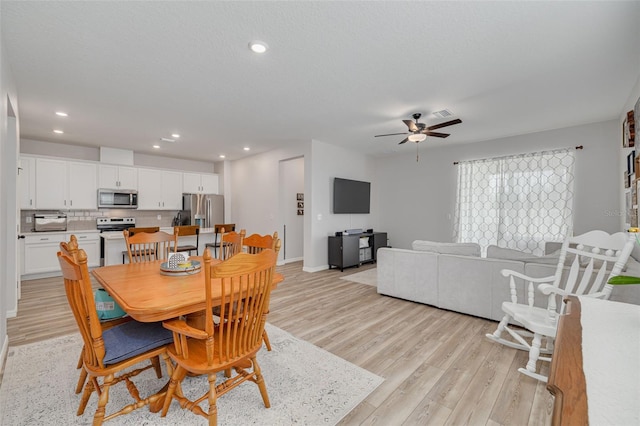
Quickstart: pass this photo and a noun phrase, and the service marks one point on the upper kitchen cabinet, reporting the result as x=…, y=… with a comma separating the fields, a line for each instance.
x=117, y=177
x=27, y=182
x=159, y=189
x=200, y=183
x=66, y=185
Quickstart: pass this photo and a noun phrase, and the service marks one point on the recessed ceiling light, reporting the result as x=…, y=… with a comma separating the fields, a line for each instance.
x=258, y=46
x=58, y=131
x=175, y=135
x=222, y=156
x=246, y=148
x=156, y=146
x=62, y=114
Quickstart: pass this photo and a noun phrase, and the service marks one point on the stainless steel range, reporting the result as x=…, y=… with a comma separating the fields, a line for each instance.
x=112, y=224
x=105, y=224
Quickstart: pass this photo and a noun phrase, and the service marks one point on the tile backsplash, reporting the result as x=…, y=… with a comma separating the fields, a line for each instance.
x=81, y=220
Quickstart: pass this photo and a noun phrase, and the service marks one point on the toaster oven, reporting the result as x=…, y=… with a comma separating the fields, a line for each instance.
x=49, y=222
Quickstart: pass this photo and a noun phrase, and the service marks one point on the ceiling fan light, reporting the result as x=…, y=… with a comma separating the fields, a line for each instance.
x=417, y=137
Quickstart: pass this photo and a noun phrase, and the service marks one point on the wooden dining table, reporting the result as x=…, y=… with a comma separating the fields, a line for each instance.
x=148, y=295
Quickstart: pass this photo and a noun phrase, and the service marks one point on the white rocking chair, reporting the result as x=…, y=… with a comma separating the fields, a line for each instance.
x=585, y=264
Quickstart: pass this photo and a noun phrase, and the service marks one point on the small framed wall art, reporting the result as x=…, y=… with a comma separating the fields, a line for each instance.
x=300, y=203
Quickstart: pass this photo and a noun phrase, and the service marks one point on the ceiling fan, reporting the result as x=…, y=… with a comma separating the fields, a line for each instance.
x=419, y=131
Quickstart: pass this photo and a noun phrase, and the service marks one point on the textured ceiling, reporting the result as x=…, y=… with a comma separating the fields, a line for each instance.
x=129, y=73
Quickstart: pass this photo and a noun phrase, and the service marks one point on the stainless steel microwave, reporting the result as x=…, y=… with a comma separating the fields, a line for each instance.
x=117, y=199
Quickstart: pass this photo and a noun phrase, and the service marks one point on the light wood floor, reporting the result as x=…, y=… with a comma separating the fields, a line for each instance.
x=438, y=366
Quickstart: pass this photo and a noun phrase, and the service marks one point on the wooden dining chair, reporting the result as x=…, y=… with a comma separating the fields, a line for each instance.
x=111, y=355
x=230, y=244
x=244, y=280
x=146, y=247
x=254, y=244
x=134, y=231
x=71, y=249
x=218, y=230
x=185, y=231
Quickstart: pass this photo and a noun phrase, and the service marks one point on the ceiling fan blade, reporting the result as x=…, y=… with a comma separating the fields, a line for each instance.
x=411, y=125
x=392, y=134
x=445, y=124
x=437, y=135
x=405, y=140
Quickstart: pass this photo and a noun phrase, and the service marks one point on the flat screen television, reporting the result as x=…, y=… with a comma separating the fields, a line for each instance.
x=351, y=196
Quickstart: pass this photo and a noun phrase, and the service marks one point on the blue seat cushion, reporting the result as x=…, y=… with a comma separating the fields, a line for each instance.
x=133, y=338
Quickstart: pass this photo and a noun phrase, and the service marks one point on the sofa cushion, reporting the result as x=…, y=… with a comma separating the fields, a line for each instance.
x=495, y=252
x=462, y=249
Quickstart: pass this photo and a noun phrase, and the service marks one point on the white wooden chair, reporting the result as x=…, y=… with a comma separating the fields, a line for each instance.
x=585, y=264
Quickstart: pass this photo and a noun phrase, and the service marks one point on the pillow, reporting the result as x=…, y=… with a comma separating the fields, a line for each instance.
x=462, y=249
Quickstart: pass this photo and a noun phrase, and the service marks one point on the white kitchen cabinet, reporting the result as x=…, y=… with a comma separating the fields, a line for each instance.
x=41, y=251
x=117, y=177
x=200, y=183
x=159, y=190
x=90, y=243
x=66, y=185
x=27, y=182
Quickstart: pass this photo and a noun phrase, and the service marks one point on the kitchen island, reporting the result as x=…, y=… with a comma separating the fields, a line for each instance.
x=114, y=243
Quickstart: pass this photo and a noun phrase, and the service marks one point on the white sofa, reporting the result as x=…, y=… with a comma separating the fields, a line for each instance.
x=454, y=276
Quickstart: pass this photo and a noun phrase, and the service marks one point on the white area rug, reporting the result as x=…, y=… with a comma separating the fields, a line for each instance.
x=369, y=277
x=307, y=386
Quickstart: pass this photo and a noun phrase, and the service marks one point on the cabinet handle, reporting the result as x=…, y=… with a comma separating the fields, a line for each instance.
x=44, y=239
x=65, y=202
x=71, y=202
x=30, y=201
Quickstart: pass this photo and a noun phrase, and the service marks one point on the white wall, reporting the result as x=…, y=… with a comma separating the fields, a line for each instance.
x=628, y=106
x=254, y=185
x=291, y=184
x=328, y=162
x=419, y=197
x=7, y=91
x=256, y=201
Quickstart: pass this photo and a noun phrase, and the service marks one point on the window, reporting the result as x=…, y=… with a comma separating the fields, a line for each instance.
x=517, y=202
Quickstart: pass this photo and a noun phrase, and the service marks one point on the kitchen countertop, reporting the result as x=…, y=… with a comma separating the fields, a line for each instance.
x=118, y=235
x=77, y=231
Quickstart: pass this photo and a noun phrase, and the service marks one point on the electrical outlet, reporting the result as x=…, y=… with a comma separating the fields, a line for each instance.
x=159, y=217
x=29, y=219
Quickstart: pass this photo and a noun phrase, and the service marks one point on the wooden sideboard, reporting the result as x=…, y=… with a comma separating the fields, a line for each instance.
x=595, y=368
x=566, y=377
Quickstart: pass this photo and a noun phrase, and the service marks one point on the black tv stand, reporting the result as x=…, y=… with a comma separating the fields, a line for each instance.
x=347, y=250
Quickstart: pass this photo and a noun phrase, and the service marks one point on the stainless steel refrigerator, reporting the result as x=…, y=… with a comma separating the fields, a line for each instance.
x=205, y=210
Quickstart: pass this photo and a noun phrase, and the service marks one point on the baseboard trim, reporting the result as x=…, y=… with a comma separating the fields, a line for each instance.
x=293, y=259
x=315, y=268
x=3, y=355
x=12, y=314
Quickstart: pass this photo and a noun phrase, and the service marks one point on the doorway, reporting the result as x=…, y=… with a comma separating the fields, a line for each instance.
x=293, y=207
x=9, y=213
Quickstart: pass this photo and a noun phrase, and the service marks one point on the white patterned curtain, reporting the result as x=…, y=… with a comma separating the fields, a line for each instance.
x=516, y=202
